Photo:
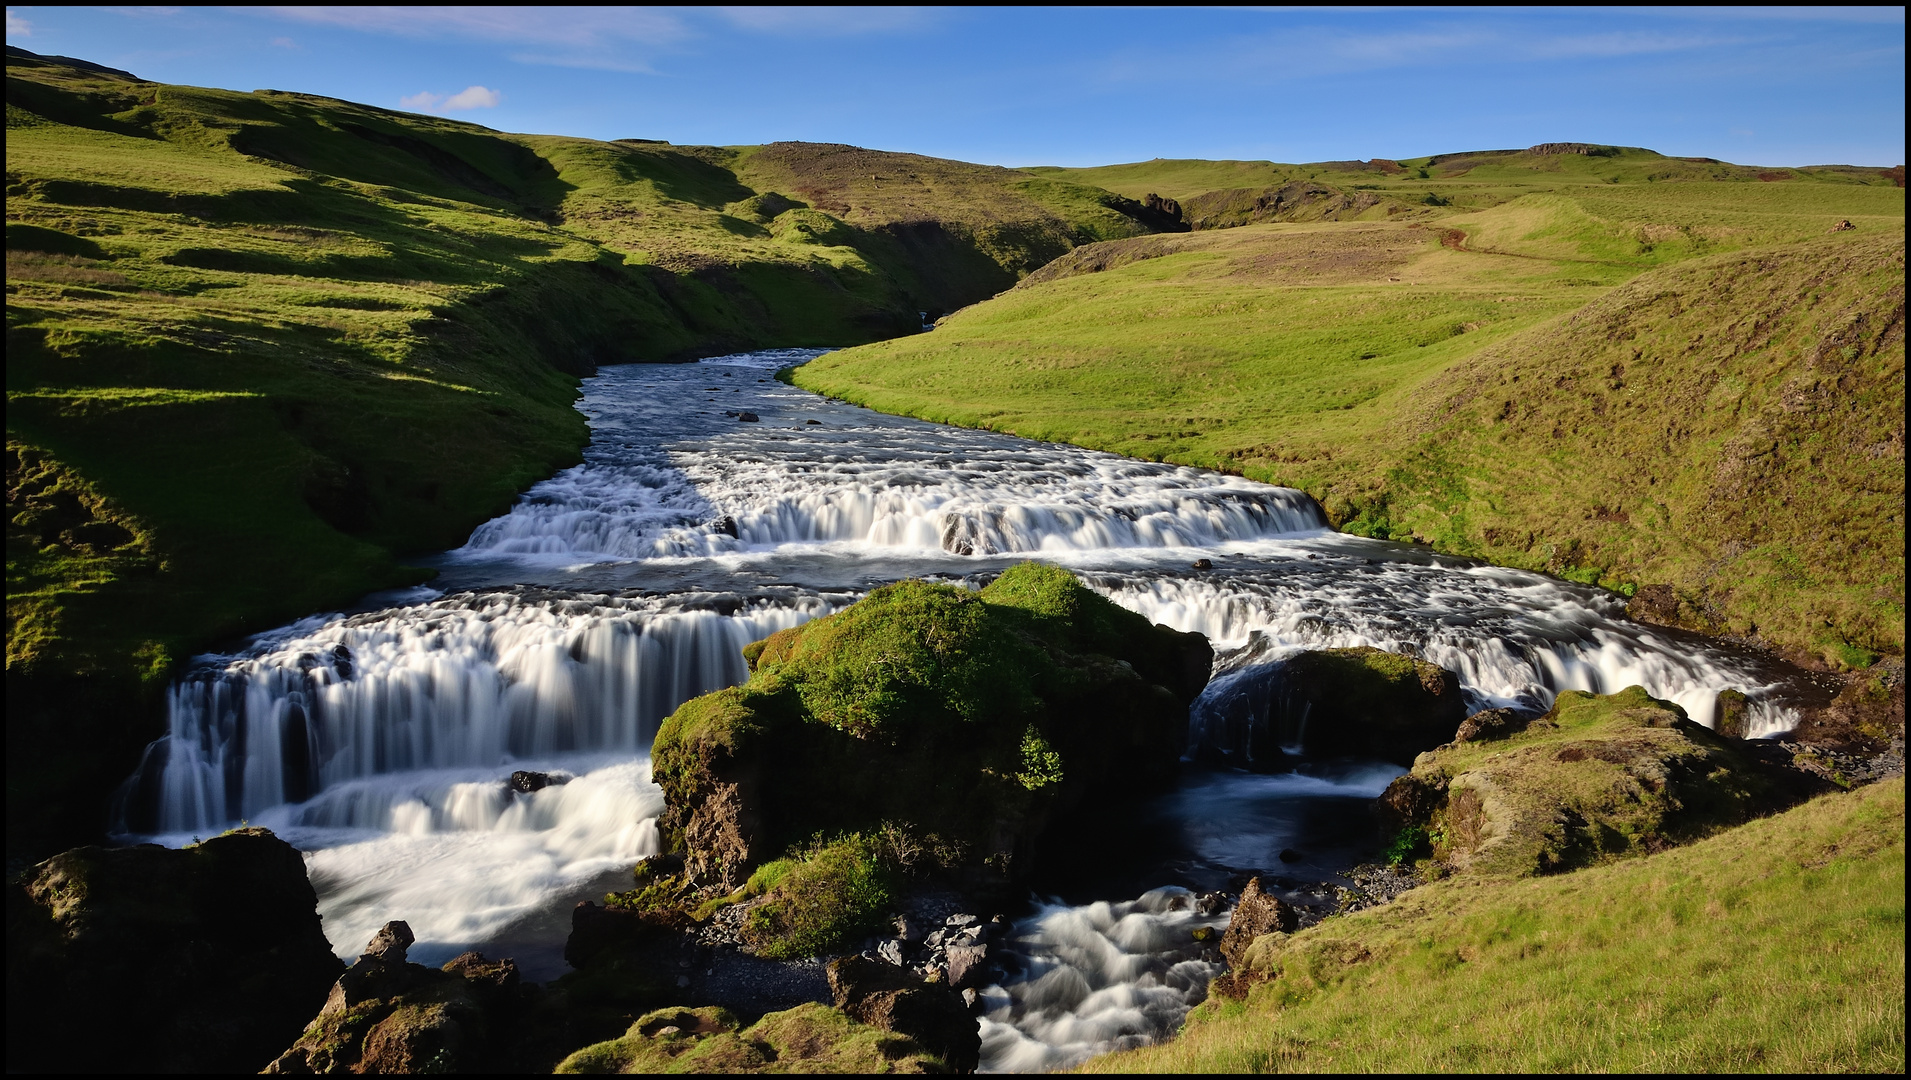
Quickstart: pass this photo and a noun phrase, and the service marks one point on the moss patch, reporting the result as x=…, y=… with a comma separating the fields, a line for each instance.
x=808, y=1038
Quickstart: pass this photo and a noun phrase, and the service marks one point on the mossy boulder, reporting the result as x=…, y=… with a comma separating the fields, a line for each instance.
x=146, y=959
x=1359, y=702
x=808, y=1038
x=967, y=720
x=1598, y=777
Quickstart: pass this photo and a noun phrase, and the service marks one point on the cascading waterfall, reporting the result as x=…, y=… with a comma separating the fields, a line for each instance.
x=382, y=743
x=473, y=680
x=1513, y=638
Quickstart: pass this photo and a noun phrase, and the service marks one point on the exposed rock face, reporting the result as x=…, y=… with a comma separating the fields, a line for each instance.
x=1598, y=777
x=385, y=1015
x=1331, y=702
x=1300, y=200
x=144, y=959
x=1867, y=715
x=978, y=718
x=894, y=999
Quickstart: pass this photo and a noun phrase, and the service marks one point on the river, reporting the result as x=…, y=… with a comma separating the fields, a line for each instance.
x=716, y=505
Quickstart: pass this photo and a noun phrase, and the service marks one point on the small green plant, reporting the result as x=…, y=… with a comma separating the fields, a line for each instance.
x=1407, y=845
x=1041, y=765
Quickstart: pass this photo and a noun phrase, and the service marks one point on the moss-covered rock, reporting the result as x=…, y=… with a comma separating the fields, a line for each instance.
x=967, y=721
x=808, y=1038
x=1599, y=777
x=206, y=959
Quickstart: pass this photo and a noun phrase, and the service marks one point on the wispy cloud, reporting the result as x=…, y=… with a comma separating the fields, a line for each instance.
x=830, y=21
x=17, y=26
x=285, y=43
x=570, y=37
x=471, y=97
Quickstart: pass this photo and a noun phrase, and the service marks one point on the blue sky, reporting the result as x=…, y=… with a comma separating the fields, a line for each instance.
x=1069, y=86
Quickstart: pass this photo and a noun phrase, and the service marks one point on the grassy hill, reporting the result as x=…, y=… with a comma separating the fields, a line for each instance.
x=261, y=346
x=1685, y=381
x=1775, y=947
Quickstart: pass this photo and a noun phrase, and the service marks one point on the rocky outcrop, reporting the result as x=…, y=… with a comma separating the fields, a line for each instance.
x=1333, y=702
x=895, y=999
x=1256, y=913
x=145, y=959
x=1598, y=777
x=976, y=718
x=1493, y=724
x=386, y=1015
x=808, y=1038
x=1300, y=200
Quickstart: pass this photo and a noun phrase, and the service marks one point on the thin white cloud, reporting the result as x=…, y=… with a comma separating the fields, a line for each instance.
x=471, y=97
x=285, y=43
x=616, y=39
x=18, y=27
x=829, y=21
x=543, y=25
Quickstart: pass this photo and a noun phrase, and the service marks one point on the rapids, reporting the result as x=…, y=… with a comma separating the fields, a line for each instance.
x=381, y=740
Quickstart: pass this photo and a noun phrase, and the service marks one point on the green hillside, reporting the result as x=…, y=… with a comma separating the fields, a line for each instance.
x=1692, y=384
x=262, y=346
x=1777, y=946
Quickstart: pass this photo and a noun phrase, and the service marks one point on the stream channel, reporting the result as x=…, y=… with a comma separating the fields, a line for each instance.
x=379, y=740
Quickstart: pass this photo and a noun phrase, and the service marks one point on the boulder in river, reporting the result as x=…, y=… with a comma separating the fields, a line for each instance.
x=1359, y=702
x=976, y=718
x=146, y=959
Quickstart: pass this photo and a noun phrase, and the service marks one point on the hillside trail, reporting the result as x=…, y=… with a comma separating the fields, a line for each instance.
x=472, y=757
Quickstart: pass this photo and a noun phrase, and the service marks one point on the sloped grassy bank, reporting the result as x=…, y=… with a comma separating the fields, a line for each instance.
x=1721, y=436
x=260, y=347
x=1775, y=946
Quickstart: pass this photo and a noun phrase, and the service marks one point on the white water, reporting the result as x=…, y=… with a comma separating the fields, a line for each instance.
x=380, y=742
x=1095, y=978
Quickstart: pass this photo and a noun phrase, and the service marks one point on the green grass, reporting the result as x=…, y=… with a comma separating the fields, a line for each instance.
x=1774, y=947
x=1661, y=360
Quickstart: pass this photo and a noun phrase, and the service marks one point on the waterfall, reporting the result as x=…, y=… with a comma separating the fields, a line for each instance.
x=1514, y=639
x=476, y=680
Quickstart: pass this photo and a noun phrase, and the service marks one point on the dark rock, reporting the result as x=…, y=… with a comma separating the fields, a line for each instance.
x=816, y=422
x=1728, y=719
x=1204, y=564
x=385, y=1015
x=144, y=959
x=390, y=943
x=748, y=417
x=726, y=525
x=1332, y=702
x=895, y=1000
x=968, y=964
x=1410, y=800
x=1844, y=225
x=1255, y=913
x=1492, y=724
x=1290, y=855
x=1866, y=716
